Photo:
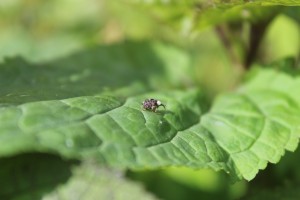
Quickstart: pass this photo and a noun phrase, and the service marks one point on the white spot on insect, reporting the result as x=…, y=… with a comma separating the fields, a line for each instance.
x=152, y=105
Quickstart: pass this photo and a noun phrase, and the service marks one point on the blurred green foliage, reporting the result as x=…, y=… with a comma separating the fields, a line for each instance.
x=47, y=31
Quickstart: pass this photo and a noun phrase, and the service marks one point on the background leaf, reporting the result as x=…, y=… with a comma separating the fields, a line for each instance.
x=91, y=182
x=44, y=176
x=286, y=192
x=140, y=66
x=188, y=15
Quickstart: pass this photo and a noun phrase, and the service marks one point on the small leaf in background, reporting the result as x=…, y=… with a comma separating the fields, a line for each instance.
x=90, y=182
x=45, y=176
x=137, y=66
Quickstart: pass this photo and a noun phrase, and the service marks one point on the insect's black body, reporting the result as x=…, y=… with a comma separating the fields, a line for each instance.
x=152, y=104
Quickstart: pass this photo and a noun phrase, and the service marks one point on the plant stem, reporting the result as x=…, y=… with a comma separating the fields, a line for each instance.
x=223, y=34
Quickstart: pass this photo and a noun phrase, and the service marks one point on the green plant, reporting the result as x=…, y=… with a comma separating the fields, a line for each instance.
x=84, y=110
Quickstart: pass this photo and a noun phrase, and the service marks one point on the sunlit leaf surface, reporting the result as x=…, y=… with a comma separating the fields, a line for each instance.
x=241, y=133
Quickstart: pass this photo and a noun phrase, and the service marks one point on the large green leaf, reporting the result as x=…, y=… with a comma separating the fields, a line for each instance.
x=241, y=133
x=258, y=123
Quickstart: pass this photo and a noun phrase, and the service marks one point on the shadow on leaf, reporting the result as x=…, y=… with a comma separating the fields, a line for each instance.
x=89, y=72
x=31, y=175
